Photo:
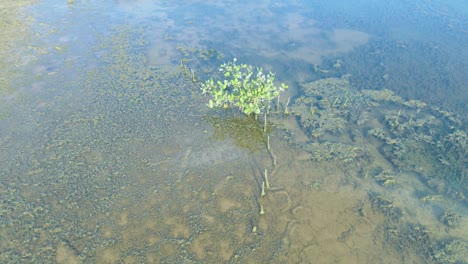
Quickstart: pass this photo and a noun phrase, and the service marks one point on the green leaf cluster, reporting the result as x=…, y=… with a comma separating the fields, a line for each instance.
x=243, y=86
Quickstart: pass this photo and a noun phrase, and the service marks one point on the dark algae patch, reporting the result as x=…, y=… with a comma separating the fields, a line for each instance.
x=378, y=135
x=411, y=135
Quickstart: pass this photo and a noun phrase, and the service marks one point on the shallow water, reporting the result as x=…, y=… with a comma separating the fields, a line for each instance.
x=110, y=155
